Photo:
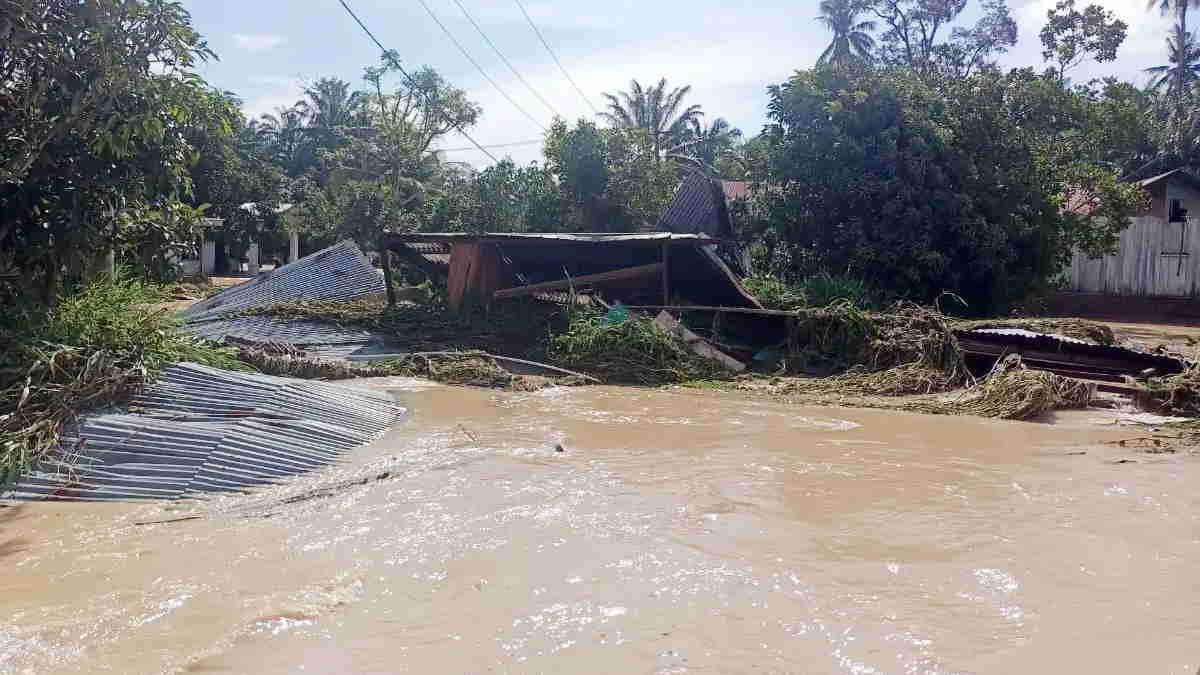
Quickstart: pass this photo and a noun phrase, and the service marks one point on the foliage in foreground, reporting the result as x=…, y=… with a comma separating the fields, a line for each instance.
x=634, y=351
x=95, y=349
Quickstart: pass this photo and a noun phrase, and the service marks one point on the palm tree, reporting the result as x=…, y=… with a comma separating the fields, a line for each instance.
x=1180, y=7
x=329, y=104
x=851, y=40
x=655, y=110
x=1183, y=69
x=284, y=134
x=707, y=144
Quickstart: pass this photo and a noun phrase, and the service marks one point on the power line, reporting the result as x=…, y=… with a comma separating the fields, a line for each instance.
x=495, y=145
x=412, y=83
x=555, y=57
x=477, y=66
x=505, y=60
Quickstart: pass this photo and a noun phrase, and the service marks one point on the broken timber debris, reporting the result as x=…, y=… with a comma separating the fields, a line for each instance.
x=696, y=343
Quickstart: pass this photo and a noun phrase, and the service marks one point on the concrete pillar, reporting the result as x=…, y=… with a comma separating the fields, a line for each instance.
x=252, y=256
x=293, y=246
x=208, y=258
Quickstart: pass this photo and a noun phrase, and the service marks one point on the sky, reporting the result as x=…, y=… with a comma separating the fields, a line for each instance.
x=729, y=51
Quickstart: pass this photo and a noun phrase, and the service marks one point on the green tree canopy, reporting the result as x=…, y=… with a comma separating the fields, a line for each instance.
x=921, y=188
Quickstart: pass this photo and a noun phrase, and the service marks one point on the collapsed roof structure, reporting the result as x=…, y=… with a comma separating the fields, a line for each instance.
x=201, y=430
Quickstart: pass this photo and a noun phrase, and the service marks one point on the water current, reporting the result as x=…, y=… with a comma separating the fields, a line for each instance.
x=675, y=532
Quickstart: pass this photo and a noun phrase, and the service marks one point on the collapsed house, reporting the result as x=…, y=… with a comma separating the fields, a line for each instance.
x=640, y=268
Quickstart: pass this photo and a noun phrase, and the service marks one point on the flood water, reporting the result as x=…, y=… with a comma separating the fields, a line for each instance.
x=679, y=532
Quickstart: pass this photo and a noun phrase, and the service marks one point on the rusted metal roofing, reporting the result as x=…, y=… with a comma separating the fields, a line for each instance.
x=201, y=430
x=340, y=272
x=698, y=207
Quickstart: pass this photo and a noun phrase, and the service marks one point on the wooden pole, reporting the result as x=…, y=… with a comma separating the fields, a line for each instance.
x=385, y=259
x=666, y=272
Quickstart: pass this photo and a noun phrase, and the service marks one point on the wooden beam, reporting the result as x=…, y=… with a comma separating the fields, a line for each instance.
x=666, y=273
x=616, y=275
x=385, y=258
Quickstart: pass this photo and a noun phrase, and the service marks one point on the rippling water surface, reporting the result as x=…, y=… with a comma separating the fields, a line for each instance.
x=679, y=532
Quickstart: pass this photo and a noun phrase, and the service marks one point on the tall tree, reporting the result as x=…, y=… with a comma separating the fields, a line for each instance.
x=660, y=113
x=956, y=184
x=852, y=39
x=284, y=135
x=96, y=104
x=706, y=144
x=922, y=35
x=1071, y=36
x=610, y=179
x=328, y=103
x=1183, y=65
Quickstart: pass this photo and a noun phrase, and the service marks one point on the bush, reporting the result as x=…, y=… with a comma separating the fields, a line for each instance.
x=94, y=349
x=775, y=293
x=819, y=290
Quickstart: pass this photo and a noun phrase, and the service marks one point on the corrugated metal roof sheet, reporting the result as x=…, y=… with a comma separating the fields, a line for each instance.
x=201, y=429
x=340, y=272
x=272, y=329
x=698, y=207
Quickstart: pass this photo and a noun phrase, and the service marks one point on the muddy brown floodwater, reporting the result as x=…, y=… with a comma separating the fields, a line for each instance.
x=679, y=532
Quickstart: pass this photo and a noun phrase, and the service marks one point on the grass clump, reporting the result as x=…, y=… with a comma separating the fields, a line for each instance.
x=94, y=349
x=1015, y=392
x=909, y=349
x=633, y=351
x=819, y=290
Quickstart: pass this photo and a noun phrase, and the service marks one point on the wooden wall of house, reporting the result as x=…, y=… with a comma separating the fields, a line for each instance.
x=1154, y=258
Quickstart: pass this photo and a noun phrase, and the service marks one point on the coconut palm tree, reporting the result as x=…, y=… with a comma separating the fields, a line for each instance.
x=1183, y=65
x=656, y=110
x=851, y=39
x=283, y=133
x=706, y=144
x=329, y=104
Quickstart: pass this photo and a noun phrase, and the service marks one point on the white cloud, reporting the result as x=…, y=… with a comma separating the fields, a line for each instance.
x=258, y=42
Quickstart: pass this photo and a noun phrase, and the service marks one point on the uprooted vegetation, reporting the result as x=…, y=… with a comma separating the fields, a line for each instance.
x=633, y=351
x=906, y=358
x=467, y=368
x=93, y=350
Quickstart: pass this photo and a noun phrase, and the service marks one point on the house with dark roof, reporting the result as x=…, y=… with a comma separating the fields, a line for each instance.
x=1158, y=254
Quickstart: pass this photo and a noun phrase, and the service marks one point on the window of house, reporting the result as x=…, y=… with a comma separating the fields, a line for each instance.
x=1176, y=214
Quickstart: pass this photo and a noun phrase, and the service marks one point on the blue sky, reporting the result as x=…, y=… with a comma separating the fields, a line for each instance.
x=729, y=51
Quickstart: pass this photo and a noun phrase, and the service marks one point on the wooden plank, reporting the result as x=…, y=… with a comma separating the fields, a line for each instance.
x=709, y=308
x=624, y=274
x=463, y=261
x=724, y=269
x=696, y=343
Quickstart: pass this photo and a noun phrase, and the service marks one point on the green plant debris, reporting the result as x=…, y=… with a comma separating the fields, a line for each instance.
x=843, y=339
x=635, y=351
x=93, y=350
